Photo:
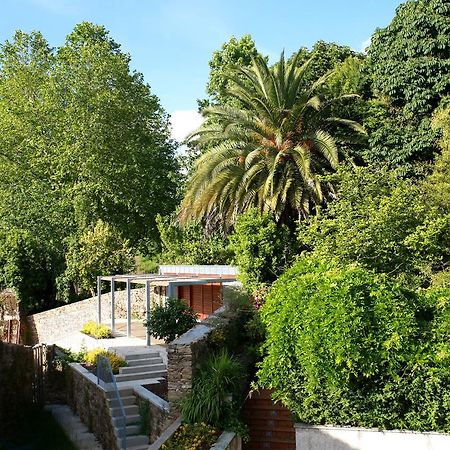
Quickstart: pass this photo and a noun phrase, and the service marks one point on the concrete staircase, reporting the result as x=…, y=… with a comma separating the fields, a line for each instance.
x=144, y=368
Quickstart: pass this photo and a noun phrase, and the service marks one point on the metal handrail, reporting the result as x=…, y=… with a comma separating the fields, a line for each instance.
x=105, y=375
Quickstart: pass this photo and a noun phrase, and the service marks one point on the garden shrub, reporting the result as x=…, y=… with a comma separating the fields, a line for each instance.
x=171, y=320
x=115, y=360
x=97, y=330
x=347, y=346
x=197, y=436
x=263, y=249
x=209, y=402
x=384, y=223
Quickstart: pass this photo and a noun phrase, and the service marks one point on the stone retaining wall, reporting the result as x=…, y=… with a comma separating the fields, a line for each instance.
x=154, y=412
x=88, y=400
x=186, y=354
x=56, y=324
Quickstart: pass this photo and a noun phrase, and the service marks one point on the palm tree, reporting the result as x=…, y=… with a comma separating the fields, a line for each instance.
x=270, y=153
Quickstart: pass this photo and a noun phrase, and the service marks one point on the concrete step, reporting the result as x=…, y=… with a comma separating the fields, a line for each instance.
x=130, y=410
x=140, y=369
x=144, y=361
x=135, y=356
x=129, y=420
x=123, y=392
x=129, y=400
x=131, y=430
x=138, y=440
x=141, y=376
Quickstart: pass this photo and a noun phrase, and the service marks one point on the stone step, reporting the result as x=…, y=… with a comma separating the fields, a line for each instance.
x=141, y=376
x=132, y=357
x=129, y=420
x=144, y=361
x=128, y=400
x=142, y=369
x=130, y=410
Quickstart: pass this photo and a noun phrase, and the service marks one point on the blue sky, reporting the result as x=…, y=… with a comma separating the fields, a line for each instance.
x=171, y=41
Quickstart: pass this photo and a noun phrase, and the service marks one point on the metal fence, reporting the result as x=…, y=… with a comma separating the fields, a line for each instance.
x=105, y=376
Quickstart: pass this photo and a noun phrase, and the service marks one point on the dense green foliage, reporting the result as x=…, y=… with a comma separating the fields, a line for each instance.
x=384, y=223
x=269, y=153
x=351, y=347
x=82, y=140
x=100, y=250
x=190, y=244
x=208, y=401
x=171, y=320
x=409, y=64
x=233, y=53
x=263, y=249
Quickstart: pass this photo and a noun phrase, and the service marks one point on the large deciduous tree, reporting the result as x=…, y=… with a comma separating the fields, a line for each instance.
x=270, y=153
x=410, y=62
x=82, y=139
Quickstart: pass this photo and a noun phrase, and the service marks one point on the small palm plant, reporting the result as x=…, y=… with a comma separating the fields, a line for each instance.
x=269, y=153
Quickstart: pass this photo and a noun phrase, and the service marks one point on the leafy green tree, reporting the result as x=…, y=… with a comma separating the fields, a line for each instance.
x=384, y=223
x=117, y=161
x=325, y=57
x=269, y=154
x=190, y=244
x=409, y=62
x=263, y=249
x=82, y=139
x=233, y=53
x=98, y=251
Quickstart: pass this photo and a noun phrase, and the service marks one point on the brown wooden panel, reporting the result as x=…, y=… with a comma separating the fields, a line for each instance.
x=271, y=425
x=196, y=298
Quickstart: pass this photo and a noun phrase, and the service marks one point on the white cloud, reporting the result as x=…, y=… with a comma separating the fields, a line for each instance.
x=184, y=122
x=365, y=44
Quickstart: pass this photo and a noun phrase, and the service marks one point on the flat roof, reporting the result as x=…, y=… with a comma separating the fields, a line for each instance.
x=164, y=280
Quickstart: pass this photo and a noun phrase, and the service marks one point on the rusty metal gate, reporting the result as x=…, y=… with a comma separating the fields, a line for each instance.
x=40, y=364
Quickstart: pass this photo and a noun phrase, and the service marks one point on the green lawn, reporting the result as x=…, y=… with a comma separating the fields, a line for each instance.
x=40, y=431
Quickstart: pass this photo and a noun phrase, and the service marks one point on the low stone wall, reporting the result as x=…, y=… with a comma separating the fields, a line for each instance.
x=16, y=377
x=88, y=400
x=310, y=437
x=154, y=412
x=186, y=354
x=51, y=326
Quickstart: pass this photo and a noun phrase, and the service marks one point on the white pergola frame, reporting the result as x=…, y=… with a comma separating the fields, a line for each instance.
x=170, y=281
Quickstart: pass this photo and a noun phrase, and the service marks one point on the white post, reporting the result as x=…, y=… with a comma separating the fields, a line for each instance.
x=99, y=299
x=128, y=307
x=113, y=305
x=147, y=298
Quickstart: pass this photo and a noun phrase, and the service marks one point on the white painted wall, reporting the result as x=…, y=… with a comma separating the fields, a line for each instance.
x=341, y=438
